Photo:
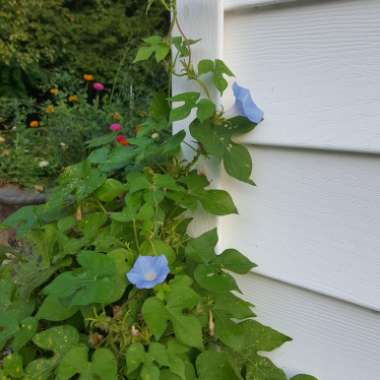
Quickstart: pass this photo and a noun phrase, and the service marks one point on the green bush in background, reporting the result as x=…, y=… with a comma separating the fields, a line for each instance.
x=48, y=44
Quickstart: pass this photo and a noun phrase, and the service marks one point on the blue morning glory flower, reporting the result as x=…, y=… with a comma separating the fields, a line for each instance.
x=148, y=271
x=245, y=104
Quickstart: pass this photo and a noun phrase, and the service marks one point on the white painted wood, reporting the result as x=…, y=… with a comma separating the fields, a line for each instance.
x=314, y=68
x=243, y=4
x=332, y=340
x=313, y=220
x=203, y=20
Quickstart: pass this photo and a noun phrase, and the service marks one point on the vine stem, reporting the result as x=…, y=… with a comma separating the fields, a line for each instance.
x=136, y=235
x=116, y=77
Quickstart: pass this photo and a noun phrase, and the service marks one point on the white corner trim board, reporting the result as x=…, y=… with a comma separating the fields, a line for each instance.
x=200, y=19
x=231, y=5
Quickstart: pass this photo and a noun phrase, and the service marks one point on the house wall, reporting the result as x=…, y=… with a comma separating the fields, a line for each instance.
x=312, y=222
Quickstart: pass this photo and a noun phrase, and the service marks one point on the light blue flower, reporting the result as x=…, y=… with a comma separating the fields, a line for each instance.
x=148, y=271
x=245, y=104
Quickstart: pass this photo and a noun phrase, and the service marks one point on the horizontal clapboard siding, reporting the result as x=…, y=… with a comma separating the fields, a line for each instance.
x=311, y=223
x=312, y=220
x=314, y=67
x=331, y=340
x=243, y=4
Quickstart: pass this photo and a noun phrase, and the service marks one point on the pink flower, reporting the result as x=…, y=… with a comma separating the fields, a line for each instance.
x=115, y=127
x=97, y=86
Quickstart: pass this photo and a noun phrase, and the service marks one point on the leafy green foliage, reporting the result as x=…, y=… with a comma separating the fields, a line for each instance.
x=218, y=70
x=95, y=283
x=103, y=365
x=154, y=45
x=217, y=141
x=71, y=307
x=52, y=44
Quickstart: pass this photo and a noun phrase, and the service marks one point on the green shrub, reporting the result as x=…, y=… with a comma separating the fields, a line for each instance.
x=36, y=156
x=40, y=38
x=52, y=44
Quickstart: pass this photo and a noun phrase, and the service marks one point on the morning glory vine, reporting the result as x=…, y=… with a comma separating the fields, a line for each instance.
x=108, y=283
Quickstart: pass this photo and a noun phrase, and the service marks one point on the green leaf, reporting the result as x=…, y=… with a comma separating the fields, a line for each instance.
x=150, y=372
x=159, y=354
x=102, y=140
x=213, y=139
x=22, y=220
x=13, y=366
x=202, y=248
x=144, y=53
x=159, y=107
x=157, y=248
x=182, y=112
x=154, y=45
x=217, y=202
x=97, y=282
x=162, y=50
x=219, y=71
x=66, y=223
x=239, y=125
x=6, y=290
x=221, y=67
x=238, y=163
x=205, y=66
x=234, y=261
x=155, y=316
x=181, y=46
x=17, y=327
x=59, y=340
x=102, y=367
x=100, y=155
x=259, y=337
x=137, y=181
x=173, y=145
x=111, y=189
x=136, y=356
x=211, y=278
x=217, y=141
x=53, y=310
x=228, y=331
x=181, y=296
x=212, y=365
x=206, y=109
x=232, y=306
x=261, y=368
x=187, y=329
x=303, y=377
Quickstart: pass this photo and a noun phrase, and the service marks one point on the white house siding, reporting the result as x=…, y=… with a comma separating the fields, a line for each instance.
x=312, y=224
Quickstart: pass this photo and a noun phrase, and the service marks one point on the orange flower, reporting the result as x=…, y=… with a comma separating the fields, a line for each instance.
x=72, y=98
x=122, y=140
x=88, y=77
x=50, y=108
x=34, y=124
x=54, y=91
